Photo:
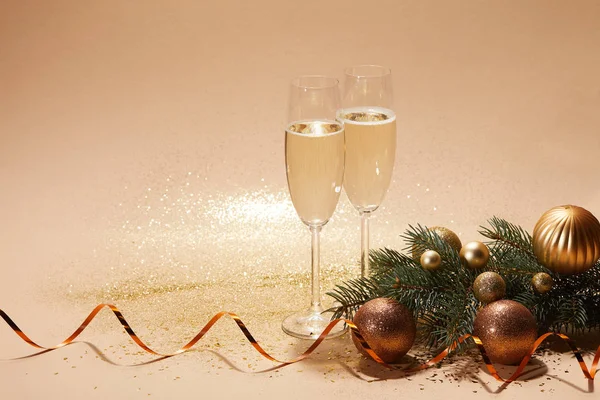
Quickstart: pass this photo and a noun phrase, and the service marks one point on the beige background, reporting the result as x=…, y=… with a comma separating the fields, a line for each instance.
x=141, y=162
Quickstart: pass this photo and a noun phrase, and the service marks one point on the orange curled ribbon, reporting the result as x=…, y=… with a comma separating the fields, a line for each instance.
x=194, y=340
x=588, y=373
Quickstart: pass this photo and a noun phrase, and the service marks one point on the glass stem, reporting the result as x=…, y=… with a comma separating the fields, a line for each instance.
x=315, y=303
x=364, y=244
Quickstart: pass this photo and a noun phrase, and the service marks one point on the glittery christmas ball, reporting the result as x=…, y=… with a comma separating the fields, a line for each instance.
x=446, y=235
x=488, y=287
x=431, y=260
x=474, y=255
x=566, y=239
x=542, y=282
x=507, y=330
x=388, y=327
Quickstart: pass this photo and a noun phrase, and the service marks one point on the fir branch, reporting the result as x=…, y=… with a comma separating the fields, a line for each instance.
x=502, y=232
x=419, y=238
x=351, y=295
x=442, y=301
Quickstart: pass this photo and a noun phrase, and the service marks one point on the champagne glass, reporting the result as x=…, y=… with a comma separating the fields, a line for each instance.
x=370, y=129
x=314, y=156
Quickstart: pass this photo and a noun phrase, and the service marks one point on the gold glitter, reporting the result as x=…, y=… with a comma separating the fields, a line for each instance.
x=177, y=253
x=211, y=244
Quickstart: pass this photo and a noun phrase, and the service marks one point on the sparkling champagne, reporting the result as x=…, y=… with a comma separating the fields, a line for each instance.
x=314, y=155
x=370, y=152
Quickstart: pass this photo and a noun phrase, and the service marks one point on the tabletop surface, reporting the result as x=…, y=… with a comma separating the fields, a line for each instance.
x=142, y=164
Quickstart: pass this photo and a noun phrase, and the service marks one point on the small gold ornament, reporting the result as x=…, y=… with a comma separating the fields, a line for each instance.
x=446, y=235
x=431, y=260
x=489, y=287
x=542, y=282
x=474, y=255
x=507, y=330
x=566, y=239
x=388, y=327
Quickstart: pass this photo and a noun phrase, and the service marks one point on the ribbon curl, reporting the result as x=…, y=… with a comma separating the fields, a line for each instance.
x=588, y=373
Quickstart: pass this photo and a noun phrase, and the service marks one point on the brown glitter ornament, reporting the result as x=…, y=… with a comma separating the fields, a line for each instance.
x=431, y=260
x=566, y=239
x=507, y=330
x=446, y=235
x=542, y=282
x=388, y=327
x=474, y=255
x=488, y=287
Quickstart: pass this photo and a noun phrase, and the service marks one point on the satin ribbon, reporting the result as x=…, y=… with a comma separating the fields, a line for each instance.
x=588, y=373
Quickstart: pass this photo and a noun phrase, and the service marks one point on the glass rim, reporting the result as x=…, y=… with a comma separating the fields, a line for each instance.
x=328, y=82
x=379, y=71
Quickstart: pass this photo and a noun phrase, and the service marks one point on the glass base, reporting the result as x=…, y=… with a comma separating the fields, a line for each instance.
x=309, y=324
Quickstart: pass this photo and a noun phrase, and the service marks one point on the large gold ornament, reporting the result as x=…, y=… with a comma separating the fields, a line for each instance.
x=542, y=282
x=431, y=260
x=388, y=327
x=489, y=286
x=446, y=235
x=507, y=330
x=566, y=239
x=474, y=255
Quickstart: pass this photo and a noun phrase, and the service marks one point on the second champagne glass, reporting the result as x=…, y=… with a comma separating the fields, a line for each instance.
x=370, y=129
x=314, y=156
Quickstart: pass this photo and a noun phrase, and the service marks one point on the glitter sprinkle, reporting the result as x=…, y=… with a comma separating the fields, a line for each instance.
x=176, y=254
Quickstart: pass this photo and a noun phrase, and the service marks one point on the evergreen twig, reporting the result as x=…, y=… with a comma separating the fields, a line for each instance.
x=442, y=300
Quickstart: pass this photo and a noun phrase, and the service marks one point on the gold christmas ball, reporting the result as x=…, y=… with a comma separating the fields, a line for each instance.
x=474, y=255
x=542, y=282
x=507, y=330
x=388, y=327
x=566, y=239
x=431, y=260
x=488, y=287
x=446, y=235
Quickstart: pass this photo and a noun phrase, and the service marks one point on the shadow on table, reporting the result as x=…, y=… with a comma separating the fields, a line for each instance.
x=92, y=346
x=535, y=369
x=456, y=368
x=378, y=372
